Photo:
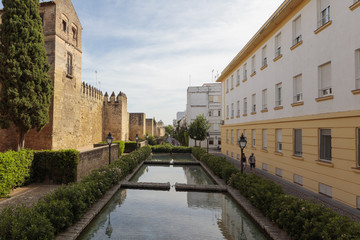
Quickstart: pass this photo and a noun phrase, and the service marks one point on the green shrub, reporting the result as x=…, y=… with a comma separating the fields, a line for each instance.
x=121, y=147
x=130, y=146
x=198, y=152
x=169, y=148
x=60, y=166
x=24, y=223
x=15, y=168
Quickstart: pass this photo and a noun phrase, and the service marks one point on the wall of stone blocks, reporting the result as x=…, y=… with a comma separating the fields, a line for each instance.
x=137, y=125
x=94, y=159
x=150, y=126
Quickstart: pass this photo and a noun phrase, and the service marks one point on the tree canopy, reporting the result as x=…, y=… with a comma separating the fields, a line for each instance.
x=26, y=88
x=199, y=128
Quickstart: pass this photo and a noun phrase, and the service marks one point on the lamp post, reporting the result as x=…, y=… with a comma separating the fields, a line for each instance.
x=242, y=144
x=207, y=137
x=109, y=140
x=137, y=139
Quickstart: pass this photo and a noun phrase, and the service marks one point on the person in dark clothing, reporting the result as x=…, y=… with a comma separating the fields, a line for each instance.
x=243, y=162
x=252, y=162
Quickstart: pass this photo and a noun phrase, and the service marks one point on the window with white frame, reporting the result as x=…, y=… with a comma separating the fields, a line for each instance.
x=245, y=106
x=253, y=103
x=227, y=111
x=232, y=110
x=358, y=147
x=263, y=57
x=264, y=99
x=278, y=45
x=297, y=37
x=325, y=189
x=238, y=77
x=325, y=144
x=264, y=139
x=253, y=135
x=324, y=12
x=245, y=72
x=264, y=166
x=298, y=142
x=232, y=136
x=325, y=88
x=227, y=136
x=278, y=95
x=278, y=172
x=237, y=135
x=357, y=69
x=278, y=135
x=227, y=85
x=298, y=93
x=245, y=134
x=232, y=81
x=238, y=108
x=253, y=67
x=298, y=179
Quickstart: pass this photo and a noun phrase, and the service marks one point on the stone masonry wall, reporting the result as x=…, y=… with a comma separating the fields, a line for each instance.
x=150, y=126
x=137, y=125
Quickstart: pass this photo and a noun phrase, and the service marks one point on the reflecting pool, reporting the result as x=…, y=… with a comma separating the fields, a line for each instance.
x=143, y=214
x=167, y=157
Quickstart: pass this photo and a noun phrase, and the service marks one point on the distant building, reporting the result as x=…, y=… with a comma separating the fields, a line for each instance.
x=205, y=100
x=294, y=92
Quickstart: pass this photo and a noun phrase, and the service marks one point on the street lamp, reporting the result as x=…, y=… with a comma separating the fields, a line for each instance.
x=137, y=139
x=242, y=144
x=109, y=140
x=207, y=137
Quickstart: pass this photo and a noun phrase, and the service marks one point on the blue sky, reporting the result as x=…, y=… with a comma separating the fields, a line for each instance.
x=148, y=49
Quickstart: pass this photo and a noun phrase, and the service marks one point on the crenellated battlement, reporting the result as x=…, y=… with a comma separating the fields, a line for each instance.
x=91, y=92
x=119, y=98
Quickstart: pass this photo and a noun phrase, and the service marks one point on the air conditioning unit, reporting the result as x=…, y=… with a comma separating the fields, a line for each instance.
x=326, y=92
x=299, y=97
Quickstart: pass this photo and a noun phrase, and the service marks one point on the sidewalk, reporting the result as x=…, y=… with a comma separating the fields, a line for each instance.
x=27, y=195
x=298, y=191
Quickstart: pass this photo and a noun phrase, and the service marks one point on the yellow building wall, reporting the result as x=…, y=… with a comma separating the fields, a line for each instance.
x=342, y=174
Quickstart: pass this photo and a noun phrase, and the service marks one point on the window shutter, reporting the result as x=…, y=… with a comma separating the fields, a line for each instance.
x=297, y=27
x=278, y=135
x=325, y=74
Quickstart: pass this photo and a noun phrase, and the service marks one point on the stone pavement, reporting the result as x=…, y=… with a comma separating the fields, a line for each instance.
x=27, y=195
x=298, y=191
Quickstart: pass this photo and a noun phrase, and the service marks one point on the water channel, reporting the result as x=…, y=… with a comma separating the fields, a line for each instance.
x=146, y=214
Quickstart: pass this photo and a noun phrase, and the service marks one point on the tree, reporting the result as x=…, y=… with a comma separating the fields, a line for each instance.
x=26, y=88
x=169, y=130
x=199, y=128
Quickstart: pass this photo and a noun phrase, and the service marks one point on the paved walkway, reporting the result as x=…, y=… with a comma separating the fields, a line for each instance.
x=27, y=195
x=298, y=191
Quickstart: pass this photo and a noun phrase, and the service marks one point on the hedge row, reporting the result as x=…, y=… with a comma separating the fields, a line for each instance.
x=60, y=166
x=15, y=168
x=130, y=146
x=67, y=204
x=169, y=148
x=301, y=219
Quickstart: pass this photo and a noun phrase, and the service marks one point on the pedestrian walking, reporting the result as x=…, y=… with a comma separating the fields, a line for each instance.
x=243, y=162
x=252, y=162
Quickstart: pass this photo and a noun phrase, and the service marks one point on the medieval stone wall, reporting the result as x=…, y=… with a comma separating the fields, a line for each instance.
x=150, y=126
x=137, y=125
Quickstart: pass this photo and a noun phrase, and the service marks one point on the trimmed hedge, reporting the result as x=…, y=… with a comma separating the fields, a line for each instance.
x=67, y=204
x=15, y=168
x=301, y=219
x=169, y=148
x=61, y=166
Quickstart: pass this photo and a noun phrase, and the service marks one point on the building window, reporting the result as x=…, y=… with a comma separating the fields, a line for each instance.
x=297, y=37
x=278, y=96
x=227, y=136
x=245, y=106
x=278, y=172
x=264, y=166
x=298, y=179
x=232, y=110
x=238, y=108
x=253, y=103
x=324, y=12
x=64, y=26
x=75, y=33
x=232, y=81
x=297, y=142
x=325, y=88
x=325, y=189
x=253, y=67
x=264, y=99
x=245, y=72
x=298, y=94
x=278, y=140
x=253, y=134
x=358, y=148
x=357, y=69
x=209, y=113
x=227, y=111
x=237, y=135
x=238, y=156
x=219, y=113
x=264, y=58
x=42, y=19
x=325, y=144
x=69, y=64
x=238, y=77
x=264, y=139
x=227, y=85
x=211, y=141
x=232, y=136
x=232, y=154
x=278, y=45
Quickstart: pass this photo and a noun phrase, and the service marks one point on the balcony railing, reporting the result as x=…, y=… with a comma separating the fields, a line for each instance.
x=297, y=40
x=278, y=52
x=325, y=92
x=298, y=97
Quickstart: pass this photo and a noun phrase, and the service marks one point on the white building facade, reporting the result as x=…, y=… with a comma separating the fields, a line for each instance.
x=205, y=100
x=294, y=92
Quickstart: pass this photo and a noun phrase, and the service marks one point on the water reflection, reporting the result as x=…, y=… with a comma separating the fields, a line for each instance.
x=167, y=157
x=146, y=214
